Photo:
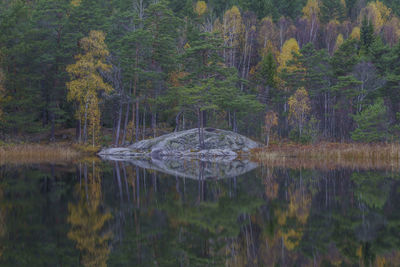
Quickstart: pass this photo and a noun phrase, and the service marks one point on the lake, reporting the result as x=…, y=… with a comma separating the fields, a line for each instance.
x=178, y=213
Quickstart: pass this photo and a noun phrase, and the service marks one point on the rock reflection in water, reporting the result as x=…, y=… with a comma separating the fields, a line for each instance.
x=195, y=169
x=118, y=214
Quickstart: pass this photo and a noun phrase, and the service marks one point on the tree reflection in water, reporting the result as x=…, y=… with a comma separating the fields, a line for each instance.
x=118, y=214
x=88, y=219
x=267, y=217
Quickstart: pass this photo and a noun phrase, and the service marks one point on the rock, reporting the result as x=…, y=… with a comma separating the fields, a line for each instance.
x=218, y=144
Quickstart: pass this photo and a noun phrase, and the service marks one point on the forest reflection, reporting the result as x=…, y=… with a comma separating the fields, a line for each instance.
x=118, y=214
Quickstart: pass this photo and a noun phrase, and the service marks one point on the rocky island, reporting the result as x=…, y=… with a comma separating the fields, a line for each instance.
x=218, y=144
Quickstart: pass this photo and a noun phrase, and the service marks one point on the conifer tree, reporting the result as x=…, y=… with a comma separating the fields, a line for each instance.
x=366, y=34
x=372, y=123
x=332, y=10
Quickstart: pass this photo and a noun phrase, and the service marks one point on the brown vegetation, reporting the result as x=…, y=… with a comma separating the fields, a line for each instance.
x=37, y=153
x=331, y=155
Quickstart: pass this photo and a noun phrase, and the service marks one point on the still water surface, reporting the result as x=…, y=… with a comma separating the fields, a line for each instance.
x=143, y=213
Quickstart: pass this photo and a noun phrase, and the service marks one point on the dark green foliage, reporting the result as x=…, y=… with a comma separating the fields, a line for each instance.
x=332, y=10
x=345, y=58
x=372, y=123
x=166, y=60
x=367, y=36
x=268, y=71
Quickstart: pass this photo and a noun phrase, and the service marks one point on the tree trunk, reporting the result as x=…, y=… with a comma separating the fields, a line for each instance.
x=202, y=130
x=93, y=134
x=133, y=118
x=118, y=123
x=125, y=123
x=204, y=119
x=154, y=123
x=78, y=131
x=137, y=122
x=114, y=119
x=85, y=124
x=53, y=122
x=183, y=121
x=234, y=122
x=199, y=127
x=135, y=110
x=144, y=123
x=177, y=121
x=325, y=114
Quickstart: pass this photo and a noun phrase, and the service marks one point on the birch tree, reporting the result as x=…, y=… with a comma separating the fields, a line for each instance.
x=299, y=108
x=87, y=83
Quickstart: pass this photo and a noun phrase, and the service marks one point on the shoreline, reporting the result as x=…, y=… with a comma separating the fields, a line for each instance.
x=328, y=155
x=322, y=155
x=36, y=153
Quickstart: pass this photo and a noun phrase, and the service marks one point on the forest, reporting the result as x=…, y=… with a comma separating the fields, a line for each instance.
x=120, y=71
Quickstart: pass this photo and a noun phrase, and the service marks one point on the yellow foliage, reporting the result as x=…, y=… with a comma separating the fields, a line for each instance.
x=378, y=13
x=267, y=34
x=380, y=261
x=311, y=9
x=232, y=26
x=299, y=206
x=270, y=48
x=339, y=41
x=200, y=8
x=94, y=115
x=271, y=186
x=217, y=27
x=289, y=47
x=86, y=81
x=270, y=120
x=299, y=107
x=88, y=219
x=75, y=3
x=299, y=209
x=292, y=239
x=187, y=46
x=356, y=33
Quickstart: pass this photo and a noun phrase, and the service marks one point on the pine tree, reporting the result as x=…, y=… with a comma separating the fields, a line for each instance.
x=265, y=77
x=209, y=85
x=332, y=10
x=366, y=34
x=2, y=88
x=392, y=88
x=51, y=46
x=22, y=89
x=345, y=57
x=206, y=77
x=372, y=123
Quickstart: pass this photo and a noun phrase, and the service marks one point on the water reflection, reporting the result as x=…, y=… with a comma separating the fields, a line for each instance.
x=119, y=214
x=88, y=217
x=195, y=169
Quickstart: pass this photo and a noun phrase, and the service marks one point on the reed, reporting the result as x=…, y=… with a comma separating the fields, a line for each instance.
x=37, y=153
x=331, y=155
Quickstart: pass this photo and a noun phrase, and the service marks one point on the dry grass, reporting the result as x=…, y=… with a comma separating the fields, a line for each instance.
x=331, y=155
x=37, y=153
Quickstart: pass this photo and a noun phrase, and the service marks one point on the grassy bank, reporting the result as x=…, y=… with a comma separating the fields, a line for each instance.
x=331, y=155
x=42, y=153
